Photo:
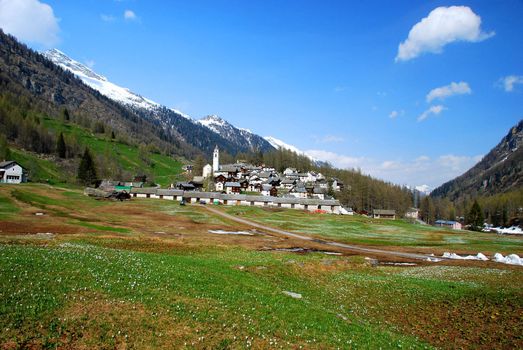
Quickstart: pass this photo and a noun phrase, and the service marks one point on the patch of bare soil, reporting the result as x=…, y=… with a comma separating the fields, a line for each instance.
x=477, y=323
x=21, y=227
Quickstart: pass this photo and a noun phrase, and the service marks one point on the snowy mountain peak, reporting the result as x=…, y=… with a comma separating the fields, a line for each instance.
x=213, y=120
x=236, y=135
x=425, y=189
x=60, y=58
x=99, y=82
x=277, y=143
x=240, y=139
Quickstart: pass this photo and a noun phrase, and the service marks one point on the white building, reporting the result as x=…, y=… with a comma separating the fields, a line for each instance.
x=216, y=160
x=290, y=171
x=207, y=171
x=11, y=172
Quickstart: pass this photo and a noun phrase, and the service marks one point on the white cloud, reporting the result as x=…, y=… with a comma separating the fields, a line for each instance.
x=107, y=18
x=394, y=114
x=422, y=159
x=30, y=21
x=422, y=170
x=456, y=163
x=452, y=89
x=390, y=165
x=129, y=15
x=338, y=160
x=509, y=81
x=442, y=26
x=435, y=110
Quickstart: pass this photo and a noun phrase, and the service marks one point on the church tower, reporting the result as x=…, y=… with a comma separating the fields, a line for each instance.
x=216, y=159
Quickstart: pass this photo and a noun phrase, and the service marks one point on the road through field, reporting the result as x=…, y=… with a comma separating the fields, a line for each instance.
x=320, y=241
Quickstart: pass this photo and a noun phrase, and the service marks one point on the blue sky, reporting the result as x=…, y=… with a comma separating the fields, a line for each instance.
x=325, y=76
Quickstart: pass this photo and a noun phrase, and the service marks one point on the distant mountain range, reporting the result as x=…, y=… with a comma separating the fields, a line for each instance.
x=500, y=171
x=204, y=134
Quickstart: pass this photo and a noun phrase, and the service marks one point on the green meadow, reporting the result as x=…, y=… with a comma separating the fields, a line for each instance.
x=148, y=274
x=378, y=232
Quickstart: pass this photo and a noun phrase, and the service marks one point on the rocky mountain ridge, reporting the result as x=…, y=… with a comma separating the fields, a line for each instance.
x=500, y=171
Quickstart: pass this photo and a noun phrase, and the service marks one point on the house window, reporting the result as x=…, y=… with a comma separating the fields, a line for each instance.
x=134, y=195
x=13, y=177
x=147, y=195
x=292, y=206
x=265, y=204
x=319, y=207
x=161, y=196
x=225, y=201
x=306, y=207
x=252, y=202
x=279, y=205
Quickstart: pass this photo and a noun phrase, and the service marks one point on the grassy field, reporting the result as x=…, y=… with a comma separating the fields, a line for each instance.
x=374, y=232
x=148, y=274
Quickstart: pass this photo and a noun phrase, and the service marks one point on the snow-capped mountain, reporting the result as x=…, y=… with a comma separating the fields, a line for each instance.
x=99, y=82
x=235, y=135
x=204, y=134
x=425, y=189
x=276, y=143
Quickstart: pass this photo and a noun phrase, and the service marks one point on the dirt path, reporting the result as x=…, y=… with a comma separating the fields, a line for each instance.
x=315, y=240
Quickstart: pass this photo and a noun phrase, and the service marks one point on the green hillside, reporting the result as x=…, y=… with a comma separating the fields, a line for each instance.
x=115, y=159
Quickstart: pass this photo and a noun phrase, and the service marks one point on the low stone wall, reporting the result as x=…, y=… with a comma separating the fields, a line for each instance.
x=326, y=205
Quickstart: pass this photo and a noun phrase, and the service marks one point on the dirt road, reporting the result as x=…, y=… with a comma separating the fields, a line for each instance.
x=330, y=244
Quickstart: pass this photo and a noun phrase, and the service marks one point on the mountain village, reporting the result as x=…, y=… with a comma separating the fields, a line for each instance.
x=246, y=184
x=266, y=181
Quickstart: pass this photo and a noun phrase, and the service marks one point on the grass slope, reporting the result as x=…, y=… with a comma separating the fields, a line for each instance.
x=163, y=168
x=148, y=274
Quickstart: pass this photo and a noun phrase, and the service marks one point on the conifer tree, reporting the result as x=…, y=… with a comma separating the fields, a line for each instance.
x=86, y=169
x=60, y=146
x=475, y=217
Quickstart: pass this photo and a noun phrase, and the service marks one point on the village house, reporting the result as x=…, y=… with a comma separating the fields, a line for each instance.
x=290, y=171
x=184, y=186
x=197, y=182
x=318, y=192
x=12, y=172
x=299, y=191
x=207, y=171
x=412, y=213
x=232, y=187
x=287, y=183
x=337, y=185
x=268, y=190
x=454, y=225
x=312, y=205
x=384, y=214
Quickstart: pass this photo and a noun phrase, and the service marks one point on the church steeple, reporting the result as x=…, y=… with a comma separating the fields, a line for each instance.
x=216, y=159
